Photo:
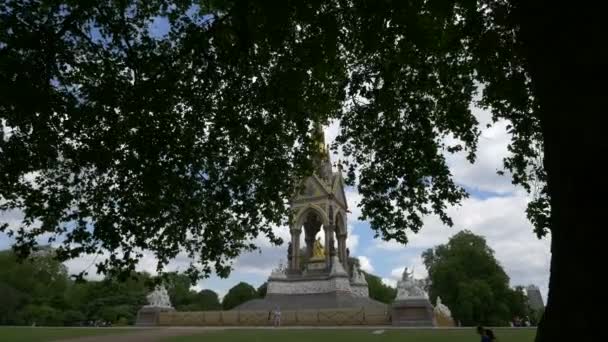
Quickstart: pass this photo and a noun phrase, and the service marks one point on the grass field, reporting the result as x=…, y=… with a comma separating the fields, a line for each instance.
x=342, y=335
x=30, y=334
x=42, y=334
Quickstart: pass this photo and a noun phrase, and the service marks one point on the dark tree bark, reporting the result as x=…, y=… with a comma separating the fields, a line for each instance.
x=563, y=46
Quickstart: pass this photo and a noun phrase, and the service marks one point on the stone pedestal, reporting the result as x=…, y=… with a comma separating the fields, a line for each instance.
x=360, y=290
x=149, y=315
x=413, y=312
x=316, y=266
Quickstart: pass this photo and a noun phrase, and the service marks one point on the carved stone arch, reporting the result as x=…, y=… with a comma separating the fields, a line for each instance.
x=340, y=222
x=299, y=222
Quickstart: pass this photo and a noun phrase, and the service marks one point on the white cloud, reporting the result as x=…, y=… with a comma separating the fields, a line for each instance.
x=496, y=210
x=13, y=217
x=262, y=262
x=501, y=219
x=390, y=282
x=492, y=148
x=332, y=131
x=85, y=263
x=396, y=273
x=353, y=198
x=392, y=245
x=352, y=240
x=366, y=264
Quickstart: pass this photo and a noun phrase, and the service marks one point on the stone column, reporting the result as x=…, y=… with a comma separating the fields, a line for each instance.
x=342, y=250
x=328, y=240
x=340, y=254
x=311, y=228
x=295, y=248
x=296, y=254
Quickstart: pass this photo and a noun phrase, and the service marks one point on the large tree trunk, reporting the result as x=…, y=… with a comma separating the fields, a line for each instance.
x=563, y=46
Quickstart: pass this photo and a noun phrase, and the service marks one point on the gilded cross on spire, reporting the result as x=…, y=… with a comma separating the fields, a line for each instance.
x=319, y=140
x=321, y=153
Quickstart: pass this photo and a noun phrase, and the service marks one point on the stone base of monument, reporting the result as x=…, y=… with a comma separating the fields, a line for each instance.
x=149, y=316
x=413, y=312
x=317, y=288
x=315, y=266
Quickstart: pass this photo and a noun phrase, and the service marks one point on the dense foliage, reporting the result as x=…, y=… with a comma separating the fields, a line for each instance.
x=179, y=126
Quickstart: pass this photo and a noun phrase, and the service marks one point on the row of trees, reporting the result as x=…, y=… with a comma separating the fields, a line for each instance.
x=40, y=291
x=463, y=272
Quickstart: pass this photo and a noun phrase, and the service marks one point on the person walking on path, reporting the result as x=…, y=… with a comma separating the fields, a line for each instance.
x=277, y=317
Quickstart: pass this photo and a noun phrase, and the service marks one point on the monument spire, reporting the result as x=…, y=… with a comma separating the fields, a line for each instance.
x=321, y=153
x=319, y=140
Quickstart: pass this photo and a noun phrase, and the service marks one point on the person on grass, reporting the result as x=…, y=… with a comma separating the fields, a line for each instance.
x=483, y=333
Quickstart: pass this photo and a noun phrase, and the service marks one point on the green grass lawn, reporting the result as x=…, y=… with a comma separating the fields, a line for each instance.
x=462, y=335
x=31, y=334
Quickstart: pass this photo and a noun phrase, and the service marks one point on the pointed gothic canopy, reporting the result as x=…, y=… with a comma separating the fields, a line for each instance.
x=321, y=202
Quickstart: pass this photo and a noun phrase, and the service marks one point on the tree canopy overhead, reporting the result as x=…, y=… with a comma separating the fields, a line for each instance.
x=118, y=139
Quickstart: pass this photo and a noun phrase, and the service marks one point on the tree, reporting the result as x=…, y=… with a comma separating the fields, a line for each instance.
x=378, y=290
x=114, y=298
x=238, y=294
x=40, y=315
x=470, y=281
x=10, y=301
x=117, y=139
x=32, y=289
x=518, y=304
x=208, y=300
x=262, y=290
x=178, y=287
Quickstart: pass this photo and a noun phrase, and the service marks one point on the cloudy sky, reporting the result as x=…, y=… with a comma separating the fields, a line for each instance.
x=494, y=210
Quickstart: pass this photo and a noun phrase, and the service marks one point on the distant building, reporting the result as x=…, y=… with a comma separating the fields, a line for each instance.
x=535, y=299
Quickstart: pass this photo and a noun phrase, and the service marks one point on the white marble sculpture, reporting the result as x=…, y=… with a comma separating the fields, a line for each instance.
x=408, y=287
x=159, y=298
x=280, y=271
x=358, y=277
x=442, y=309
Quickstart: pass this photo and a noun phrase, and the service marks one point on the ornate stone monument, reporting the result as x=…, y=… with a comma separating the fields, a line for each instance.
x=412, y=306
x=158, y=301
x=317, y=275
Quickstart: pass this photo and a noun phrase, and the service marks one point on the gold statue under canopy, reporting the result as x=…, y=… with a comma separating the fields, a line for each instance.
x=318, y=252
